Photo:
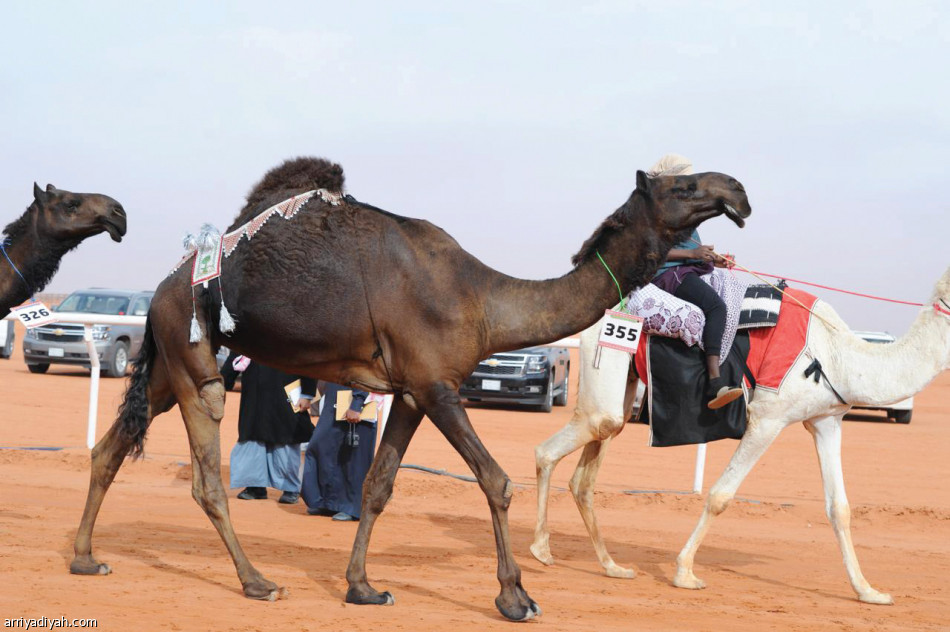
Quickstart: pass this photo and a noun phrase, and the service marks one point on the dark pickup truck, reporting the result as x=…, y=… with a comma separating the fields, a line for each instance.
x=537, y=376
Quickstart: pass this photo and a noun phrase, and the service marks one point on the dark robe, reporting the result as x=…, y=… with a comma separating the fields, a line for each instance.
x=266, y=415
x=333, y=471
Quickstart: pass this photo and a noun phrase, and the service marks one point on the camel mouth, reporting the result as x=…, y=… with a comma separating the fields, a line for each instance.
x=733, y=214
x=115, y=231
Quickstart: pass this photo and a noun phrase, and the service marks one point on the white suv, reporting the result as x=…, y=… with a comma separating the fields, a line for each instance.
x=901, y=411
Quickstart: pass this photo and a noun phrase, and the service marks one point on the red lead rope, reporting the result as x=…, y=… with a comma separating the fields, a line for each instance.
x=834, y=289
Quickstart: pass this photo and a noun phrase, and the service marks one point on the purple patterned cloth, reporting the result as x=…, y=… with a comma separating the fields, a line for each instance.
x=666, y=315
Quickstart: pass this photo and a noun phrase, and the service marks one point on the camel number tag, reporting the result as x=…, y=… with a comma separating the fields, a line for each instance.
x=621, y=331
x=207, y=260
x=33, y=314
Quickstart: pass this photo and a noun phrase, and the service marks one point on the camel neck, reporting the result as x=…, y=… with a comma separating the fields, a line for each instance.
x=524, y=313
x=896, y=371
x=33, y=260
x=4, y=244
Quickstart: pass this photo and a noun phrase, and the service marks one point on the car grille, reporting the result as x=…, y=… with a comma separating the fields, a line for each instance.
x=484, y=369
x=61, y=333
x=502, y=364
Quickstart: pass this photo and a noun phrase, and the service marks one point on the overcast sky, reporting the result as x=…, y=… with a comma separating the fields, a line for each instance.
x=515, y=126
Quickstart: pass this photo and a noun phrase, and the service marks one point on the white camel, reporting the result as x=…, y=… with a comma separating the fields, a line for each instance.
x=863, y=373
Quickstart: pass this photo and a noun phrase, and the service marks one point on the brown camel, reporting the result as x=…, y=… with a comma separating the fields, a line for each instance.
x=389, y=304
x=55, y=223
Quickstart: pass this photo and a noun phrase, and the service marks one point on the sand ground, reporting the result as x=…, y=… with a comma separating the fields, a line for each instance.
x=771, y=561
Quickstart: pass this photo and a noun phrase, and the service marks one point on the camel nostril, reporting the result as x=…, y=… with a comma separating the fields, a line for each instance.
x=118, y=210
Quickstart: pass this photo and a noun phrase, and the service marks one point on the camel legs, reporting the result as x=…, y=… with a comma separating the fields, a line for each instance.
x=594, y=436
x=758, y=437
x=826, y=432
x=107, y=458
x=546, y=457
x=202, y=408
x=582, y=487
x=377, y=490
x=444, y=408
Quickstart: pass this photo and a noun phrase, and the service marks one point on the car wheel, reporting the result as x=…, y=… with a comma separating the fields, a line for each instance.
x=549, y=397
x=120, y=360
x=901, y=416
x=38, y=368
x=561, y=400
x=7, y=351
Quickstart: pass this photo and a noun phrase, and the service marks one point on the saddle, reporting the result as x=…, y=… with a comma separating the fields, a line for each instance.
x=768, y=333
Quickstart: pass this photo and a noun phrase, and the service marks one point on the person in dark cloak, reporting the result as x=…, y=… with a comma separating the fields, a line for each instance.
x=338, y=457
x=270, y=429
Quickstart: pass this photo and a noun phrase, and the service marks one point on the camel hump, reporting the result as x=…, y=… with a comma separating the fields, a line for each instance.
x=304, y=173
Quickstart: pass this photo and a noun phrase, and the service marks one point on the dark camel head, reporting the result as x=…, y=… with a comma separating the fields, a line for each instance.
x=65, y=216
x=681, y=203
x=669, y=207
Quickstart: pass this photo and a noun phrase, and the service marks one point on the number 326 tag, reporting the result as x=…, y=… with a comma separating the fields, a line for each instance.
x=33, y=314
x=621, y=331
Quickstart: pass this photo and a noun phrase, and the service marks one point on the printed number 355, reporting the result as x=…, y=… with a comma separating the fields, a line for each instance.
x=620, y=332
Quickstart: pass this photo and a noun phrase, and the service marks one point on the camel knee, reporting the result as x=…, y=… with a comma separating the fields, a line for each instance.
x=543, y=459
x=500, y=495
x=212, y=398
x=839, y=514
x=718, y=501
x=609, y=426
x=375, y=500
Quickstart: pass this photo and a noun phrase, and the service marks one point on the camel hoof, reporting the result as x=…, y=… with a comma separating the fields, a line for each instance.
x=88, y=566
x=620, y=572
x=372, y=599
x=689, y=581
x=542, y=554
x=524, y=609
x=265, y=591
x=877, y=598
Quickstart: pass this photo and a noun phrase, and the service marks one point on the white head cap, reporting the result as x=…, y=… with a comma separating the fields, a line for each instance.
x=671, y=165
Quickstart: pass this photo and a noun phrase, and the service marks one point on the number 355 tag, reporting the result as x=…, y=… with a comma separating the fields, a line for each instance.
x=621, y=331
x=33, y=314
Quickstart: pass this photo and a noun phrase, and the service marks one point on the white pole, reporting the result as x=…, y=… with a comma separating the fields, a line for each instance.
x=93, y=386
x=700, y=468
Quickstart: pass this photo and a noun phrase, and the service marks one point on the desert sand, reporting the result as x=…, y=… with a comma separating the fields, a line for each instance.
x=771, y=561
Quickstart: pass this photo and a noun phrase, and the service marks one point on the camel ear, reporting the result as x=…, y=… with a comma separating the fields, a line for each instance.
x=643, y=182
x=38, y=194
x=50, y=188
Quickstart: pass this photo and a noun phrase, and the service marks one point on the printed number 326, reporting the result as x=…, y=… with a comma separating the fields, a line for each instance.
x=620, y=332
x=33, y=314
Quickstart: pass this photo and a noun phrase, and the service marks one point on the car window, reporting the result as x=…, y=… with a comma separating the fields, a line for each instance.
x=88, y=303
x=140, y=306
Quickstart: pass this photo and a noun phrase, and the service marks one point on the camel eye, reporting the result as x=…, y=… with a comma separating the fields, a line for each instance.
x=681, y=193
x=72, y=206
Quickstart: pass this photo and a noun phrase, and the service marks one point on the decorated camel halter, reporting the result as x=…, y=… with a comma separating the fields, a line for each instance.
x=210, y=247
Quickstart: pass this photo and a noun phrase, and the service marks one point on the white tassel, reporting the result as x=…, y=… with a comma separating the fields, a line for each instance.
x=189, y=243
x=195, y=330
x=206, y=237
x=225, y=320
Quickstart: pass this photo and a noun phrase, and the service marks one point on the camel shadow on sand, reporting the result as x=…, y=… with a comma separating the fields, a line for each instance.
x=325, y=567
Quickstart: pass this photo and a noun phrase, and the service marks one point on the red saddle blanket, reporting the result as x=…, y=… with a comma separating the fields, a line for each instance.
x=772, y=350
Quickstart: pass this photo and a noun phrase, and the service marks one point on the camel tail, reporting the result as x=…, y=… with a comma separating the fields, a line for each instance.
x=133, y=419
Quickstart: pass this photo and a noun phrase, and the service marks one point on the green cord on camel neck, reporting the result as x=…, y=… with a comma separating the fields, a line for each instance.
x=619, y=291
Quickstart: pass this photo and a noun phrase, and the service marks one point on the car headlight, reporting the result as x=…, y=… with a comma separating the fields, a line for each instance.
x=100, y=332
x=537, y=364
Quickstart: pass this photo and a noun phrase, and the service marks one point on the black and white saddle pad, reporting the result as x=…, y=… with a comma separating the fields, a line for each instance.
x=760, y=307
